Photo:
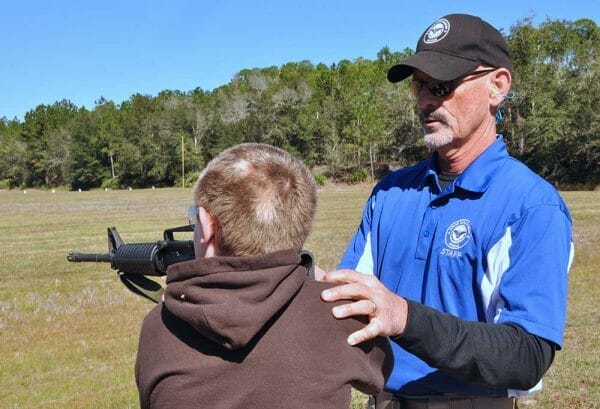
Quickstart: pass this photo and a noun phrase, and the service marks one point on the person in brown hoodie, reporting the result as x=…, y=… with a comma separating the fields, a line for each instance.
x=243, y=325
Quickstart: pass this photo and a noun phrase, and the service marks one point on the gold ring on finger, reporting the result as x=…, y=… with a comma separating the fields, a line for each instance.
x=374, y=310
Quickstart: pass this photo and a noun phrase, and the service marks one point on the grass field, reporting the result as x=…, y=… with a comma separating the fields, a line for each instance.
x=68, y=332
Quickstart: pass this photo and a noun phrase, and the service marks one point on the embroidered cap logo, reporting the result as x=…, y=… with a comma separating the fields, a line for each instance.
x=458, y=234
x=437, y=31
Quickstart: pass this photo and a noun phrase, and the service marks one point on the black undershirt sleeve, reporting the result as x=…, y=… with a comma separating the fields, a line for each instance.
x=497, y=355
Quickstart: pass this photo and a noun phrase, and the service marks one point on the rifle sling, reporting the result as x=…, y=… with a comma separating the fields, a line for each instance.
x=140, y=285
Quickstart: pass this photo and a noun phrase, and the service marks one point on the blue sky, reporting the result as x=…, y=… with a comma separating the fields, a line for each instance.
x=82, y=50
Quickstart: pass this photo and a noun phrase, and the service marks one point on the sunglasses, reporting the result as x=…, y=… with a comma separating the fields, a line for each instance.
x=193, y=215
x=442, y=88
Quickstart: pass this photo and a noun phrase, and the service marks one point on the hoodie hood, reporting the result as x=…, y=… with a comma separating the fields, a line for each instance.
x=230, y=299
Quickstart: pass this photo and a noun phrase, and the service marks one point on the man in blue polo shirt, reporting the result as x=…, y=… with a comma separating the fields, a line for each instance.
x=462, y=259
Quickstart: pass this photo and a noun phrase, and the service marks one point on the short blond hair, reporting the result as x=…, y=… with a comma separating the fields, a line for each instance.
x=263, y=199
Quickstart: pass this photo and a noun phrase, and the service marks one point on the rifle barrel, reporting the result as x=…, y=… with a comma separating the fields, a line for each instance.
x=90, y=257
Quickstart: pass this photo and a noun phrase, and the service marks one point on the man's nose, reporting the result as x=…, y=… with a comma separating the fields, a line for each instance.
x=426, y=100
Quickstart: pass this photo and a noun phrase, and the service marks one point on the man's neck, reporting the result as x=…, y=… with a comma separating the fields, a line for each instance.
x=455, y=159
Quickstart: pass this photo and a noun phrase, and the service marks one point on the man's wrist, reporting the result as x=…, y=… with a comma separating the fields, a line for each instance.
x=402, y=314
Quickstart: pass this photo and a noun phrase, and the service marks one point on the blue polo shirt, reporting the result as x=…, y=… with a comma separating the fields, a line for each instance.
x=495, y=246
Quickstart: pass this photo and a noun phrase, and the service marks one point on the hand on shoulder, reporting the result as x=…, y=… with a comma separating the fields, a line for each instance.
x=387, y=311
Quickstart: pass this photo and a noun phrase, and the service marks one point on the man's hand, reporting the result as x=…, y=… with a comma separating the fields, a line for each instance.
x=319, y=274
x=387, y=311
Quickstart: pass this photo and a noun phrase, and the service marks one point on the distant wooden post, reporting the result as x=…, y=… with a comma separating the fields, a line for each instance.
x=182, y=163
x=112, y=165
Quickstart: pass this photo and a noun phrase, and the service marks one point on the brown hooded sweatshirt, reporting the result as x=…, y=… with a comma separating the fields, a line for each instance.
x=251, y=332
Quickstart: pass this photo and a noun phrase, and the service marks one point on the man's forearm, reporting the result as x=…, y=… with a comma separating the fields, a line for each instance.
x=498, y=355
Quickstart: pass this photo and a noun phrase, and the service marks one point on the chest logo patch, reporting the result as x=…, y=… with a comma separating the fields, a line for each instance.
x=458, y=234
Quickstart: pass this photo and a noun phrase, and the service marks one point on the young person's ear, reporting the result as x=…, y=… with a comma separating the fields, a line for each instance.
x=207, y=225
x=204, y=235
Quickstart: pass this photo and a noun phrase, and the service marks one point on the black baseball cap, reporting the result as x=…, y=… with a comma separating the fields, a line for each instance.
x=453, y=46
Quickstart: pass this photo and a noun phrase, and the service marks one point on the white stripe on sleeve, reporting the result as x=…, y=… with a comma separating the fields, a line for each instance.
x=498, y=261
x=365, y=263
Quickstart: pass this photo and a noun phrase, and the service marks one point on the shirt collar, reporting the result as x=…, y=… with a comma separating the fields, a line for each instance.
x=431, y=172
x=479, y=174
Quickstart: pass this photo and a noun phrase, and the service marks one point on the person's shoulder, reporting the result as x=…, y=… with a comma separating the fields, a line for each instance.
x=526, y=190
x=403, y=177
x=314, y=286
x=366, y=364
x=534, y=189
x=151, y=336
x=311, y=289
x=154, y=313
x=152, y=320
x=311, y=294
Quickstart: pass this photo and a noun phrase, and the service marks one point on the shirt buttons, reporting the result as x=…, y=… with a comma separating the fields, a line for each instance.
x=426, y=233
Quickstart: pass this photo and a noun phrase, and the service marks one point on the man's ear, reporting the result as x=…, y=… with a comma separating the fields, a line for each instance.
x=207, y=224
x=500, y=86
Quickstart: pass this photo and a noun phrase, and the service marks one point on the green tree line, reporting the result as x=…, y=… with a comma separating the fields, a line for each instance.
x=344, y=120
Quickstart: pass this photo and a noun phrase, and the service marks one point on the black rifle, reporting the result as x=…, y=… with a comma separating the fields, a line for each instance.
x=137, y=260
